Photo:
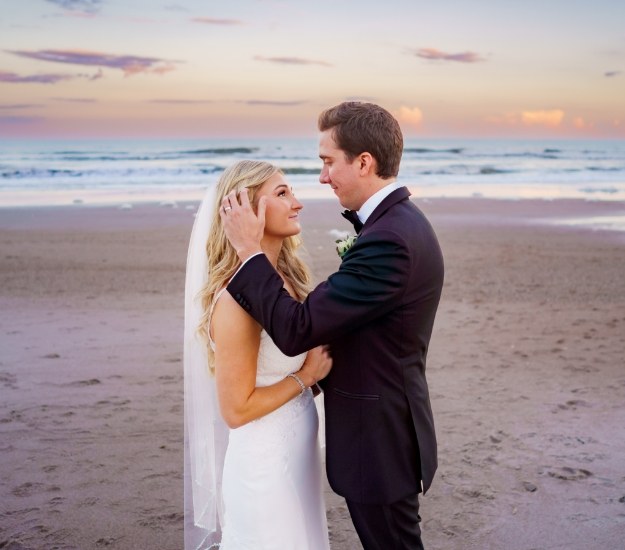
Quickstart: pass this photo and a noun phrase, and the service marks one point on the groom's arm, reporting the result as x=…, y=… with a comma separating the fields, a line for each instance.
x=370, y=282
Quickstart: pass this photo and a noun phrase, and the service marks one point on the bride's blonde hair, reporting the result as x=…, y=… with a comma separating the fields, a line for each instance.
x=222, y=258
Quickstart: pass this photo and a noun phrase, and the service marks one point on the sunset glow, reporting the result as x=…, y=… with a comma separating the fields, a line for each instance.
x=106, y=68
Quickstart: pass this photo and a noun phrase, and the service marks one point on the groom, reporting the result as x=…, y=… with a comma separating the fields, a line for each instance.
x=376, y=312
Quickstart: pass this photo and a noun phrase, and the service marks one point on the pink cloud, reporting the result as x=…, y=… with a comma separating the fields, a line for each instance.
x=167, y=68
x=411, y=116
x=551, y=118
x=273, y=103
x=292, y=61
x=35, y=78
x=216, y=21
x=16, y=106
x=74, y=99
x=437, y=55
x=181, y=101
x=129, y=64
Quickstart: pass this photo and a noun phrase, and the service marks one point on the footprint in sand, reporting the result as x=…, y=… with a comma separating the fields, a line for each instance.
x=108, y=541
x=175, y=518
x=582, y=368
x=475, y=493
x=27, y=489
x=8, y=380
x=571, y=405
x=498, y=437
x=167, y=379
x=13, y=416
x=570, y=474
x=56, y=501
x=81, y=383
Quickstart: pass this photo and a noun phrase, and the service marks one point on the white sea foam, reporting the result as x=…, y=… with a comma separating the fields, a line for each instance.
x=103, y=172
x=603, y=223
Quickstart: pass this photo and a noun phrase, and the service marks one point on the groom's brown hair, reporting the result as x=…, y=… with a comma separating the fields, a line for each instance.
x=365, y=127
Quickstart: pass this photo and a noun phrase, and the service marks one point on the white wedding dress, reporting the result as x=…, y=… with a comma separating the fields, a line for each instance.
x=272, y=485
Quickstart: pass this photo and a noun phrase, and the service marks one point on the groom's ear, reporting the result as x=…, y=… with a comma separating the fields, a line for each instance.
x=367, y=163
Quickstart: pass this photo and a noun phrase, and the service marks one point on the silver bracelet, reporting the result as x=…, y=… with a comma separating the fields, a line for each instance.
x=299, y=381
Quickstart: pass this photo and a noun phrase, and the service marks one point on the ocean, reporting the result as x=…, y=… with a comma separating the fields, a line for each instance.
x=90, y=171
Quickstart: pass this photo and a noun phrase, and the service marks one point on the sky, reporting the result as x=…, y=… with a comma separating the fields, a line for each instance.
x=243, y=68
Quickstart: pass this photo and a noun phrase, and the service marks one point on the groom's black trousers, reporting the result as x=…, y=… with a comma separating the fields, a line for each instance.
x=388, y=526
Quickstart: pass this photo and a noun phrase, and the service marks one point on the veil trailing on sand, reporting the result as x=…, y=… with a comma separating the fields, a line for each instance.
x=205, y=433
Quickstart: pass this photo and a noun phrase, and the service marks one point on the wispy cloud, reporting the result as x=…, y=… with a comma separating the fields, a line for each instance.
x=270, y=103
x=437, y=55
x=361, y=98
x=216, y=21
x=611, y=74
x=17, y=106
x=19, y=119
x=83, y=6
x=129, y=64
x=253, y=102
x=293, y=61
x=49, y=78
x=180, y=101
x=74, y=99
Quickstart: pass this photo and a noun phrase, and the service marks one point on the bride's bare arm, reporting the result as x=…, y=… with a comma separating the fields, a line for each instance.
x=237, y=339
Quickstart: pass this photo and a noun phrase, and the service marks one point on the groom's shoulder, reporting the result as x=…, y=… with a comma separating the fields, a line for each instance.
x=404, y=214
x=408, y=223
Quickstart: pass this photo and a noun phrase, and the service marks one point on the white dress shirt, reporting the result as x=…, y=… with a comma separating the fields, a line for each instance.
x=374, y=200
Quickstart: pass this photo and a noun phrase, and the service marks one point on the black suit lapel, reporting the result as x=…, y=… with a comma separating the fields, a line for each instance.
x=396, y=196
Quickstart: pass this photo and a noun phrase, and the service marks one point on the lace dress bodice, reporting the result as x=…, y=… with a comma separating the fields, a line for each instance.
x=272, y=364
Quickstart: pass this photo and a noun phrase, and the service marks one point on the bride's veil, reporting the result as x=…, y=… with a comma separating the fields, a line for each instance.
x=205, y=433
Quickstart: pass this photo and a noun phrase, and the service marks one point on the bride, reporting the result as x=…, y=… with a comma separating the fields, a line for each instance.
x=252, y=460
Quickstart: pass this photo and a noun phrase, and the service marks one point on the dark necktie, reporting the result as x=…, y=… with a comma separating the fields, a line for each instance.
x=353, y=218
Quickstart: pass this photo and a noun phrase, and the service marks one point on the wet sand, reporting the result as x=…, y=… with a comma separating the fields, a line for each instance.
x=526, y=372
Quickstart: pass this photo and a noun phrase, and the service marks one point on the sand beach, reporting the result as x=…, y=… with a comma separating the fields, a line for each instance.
x=526, y=372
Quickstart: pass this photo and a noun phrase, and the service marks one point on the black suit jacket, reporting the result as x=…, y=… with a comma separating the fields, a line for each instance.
x=377, y=313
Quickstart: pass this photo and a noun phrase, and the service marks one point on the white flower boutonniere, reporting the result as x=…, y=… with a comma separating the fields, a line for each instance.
x=343, y=245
